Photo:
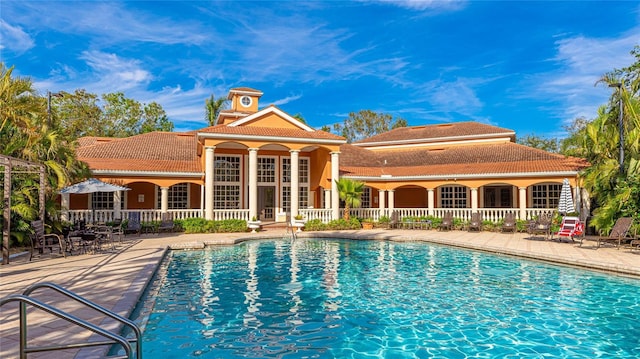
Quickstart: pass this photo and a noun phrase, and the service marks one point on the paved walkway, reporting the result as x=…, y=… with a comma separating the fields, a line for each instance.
x=116, y=280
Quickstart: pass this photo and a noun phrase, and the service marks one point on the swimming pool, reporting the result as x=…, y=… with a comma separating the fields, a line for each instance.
x=319, y=298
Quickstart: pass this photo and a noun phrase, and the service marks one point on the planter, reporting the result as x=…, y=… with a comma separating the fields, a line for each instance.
x=253, y=225
x=367, y=225
x=299, y=224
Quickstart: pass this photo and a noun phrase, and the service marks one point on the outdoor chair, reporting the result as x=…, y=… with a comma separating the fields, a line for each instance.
x=41, y=241
x=509, y=223
x=571, y=227
x=476, y=222
x=447, y=221
x=394, y=221
x=133, y=224
x=166, y=224
x=542, y=225
x=619, y=233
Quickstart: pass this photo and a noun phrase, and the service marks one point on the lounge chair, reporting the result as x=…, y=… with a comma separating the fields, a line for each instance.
x=619, y=233
x=133, y=223
x=571, y=227
x=447, y=221
x=476, y=222
x=542, y=225
x=509, y=223
x=394, y=221
x=167, y=223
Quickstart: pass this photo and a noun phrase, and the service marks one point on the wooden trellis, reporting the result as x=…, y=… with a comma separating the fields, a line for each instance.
x=9, y=164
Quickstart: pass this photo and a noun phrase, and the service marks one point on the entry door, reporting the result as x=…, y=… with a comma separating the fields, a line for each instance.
x=267, y=202
x=497, y=197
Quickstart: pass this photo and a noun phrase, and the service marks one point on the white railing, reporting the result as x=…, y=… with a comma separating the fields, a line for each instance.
x=149, y=215
x=322, y=214
x=222, y=214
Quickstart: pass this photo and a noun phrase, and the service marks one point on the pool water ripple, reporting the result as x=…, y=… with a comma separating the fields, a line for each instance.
x=321, y=298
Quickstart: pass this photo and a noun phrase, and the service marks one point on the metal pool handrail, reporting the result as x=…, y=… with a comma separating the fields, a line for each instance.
x=24, y=350
x=133, y=326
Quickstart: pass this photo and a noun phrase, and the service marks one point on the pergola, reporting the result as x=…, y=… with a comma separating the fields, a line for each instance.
x=14, y=165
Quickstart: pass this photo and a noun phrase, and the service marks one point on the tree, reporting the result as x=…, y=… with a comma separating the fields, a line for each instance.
x=350, y=192
x=612, y=192
x=366, y=123
x=27, y=134
x=298, y=116
x=80, y=114
x=546, y=144
x=154, y=118
x=213, y=107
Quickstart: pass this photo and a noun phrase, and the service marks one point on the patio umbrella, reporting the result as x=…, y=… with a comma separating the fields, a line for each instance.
x=92, y=185
x=565, y=204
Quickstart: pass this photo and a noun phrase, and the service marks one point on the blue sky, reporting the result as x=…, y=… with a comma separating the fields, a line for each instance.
x=526, y=66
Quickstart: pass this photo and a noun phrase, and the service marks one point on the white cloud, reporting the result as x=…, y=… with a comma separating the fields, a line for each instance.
x=425, y=5
x=582, y=61
x=114, y=72
x=14, y=38
x=286, y=100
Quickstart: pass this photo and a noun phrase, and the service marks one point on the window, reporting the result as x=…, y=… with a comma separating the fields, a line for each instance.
x=245, y=101
x=453, y=197
x=178, y=196
x=303, y=198
x=365, y=201
x=303, y=170
x=102, y=200
x=226, y=196
x=227, y=169
x=226, y=191
x=545, y=195
x=266, y=170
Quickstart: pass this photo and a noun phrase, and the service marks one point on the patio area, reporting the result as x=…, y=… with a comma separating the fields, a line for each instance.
x=115, y=280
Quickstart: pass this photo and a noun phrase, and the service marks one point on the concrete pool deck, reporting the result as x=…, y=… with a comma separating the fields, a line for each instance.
x=117, y=279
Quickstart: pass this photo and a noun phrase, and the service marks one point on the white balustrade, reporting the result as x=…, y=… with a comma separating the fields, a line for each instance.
x=323, y=214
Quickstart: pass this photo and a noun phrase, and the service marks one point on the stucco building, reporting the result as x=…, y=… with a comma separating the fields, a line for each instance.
x=264, y=162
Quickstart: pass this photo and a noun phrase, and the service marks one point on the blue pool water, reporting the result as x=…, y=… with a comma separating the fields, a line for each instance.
x=317, y=298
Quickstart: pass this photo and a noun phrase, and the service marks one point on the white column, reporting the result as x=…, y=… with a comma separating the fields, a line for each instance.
x=64, y=204
x=335, y=175
x=295, y=186
x=474, y=199
x=381, y=199
x=327, y=198
x=431, y=201
x=164, y=199
x=523, y=202
x=202, y=200
x=117, y=204
x=209, y=158
x=253, y=183
x=391, y=200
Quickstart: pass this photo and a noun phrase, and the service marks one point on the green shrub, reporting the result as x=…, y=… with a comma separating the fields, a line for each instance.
x=315, y=225
x=201, y=225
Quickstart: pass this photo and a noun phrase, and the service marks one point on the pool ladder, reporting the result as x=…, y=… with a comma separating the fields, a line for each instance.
x=111, y=338
x=290, y=231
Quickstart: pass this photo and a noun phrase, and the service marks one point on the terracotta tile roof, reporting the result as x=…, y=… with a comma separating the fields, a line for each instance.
x=431, y=132
x=270, y=132
x=155, y=151
x=473, y=159
x=90, y=140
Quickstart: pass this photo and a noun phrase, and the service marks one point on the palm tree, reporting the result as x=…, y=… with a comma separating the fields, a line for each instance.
x=213, y=107
x=350, y=192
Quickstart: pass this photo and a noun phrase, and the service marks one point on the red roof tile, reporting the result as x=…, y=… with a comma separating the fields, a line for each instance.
x=155, y=151
x=473, y=159
x=433, y=132
x=270, y=132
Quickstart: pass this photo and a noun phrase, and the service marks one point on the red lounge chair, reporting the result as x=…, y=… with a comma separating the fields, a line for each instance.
x=571, y=227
